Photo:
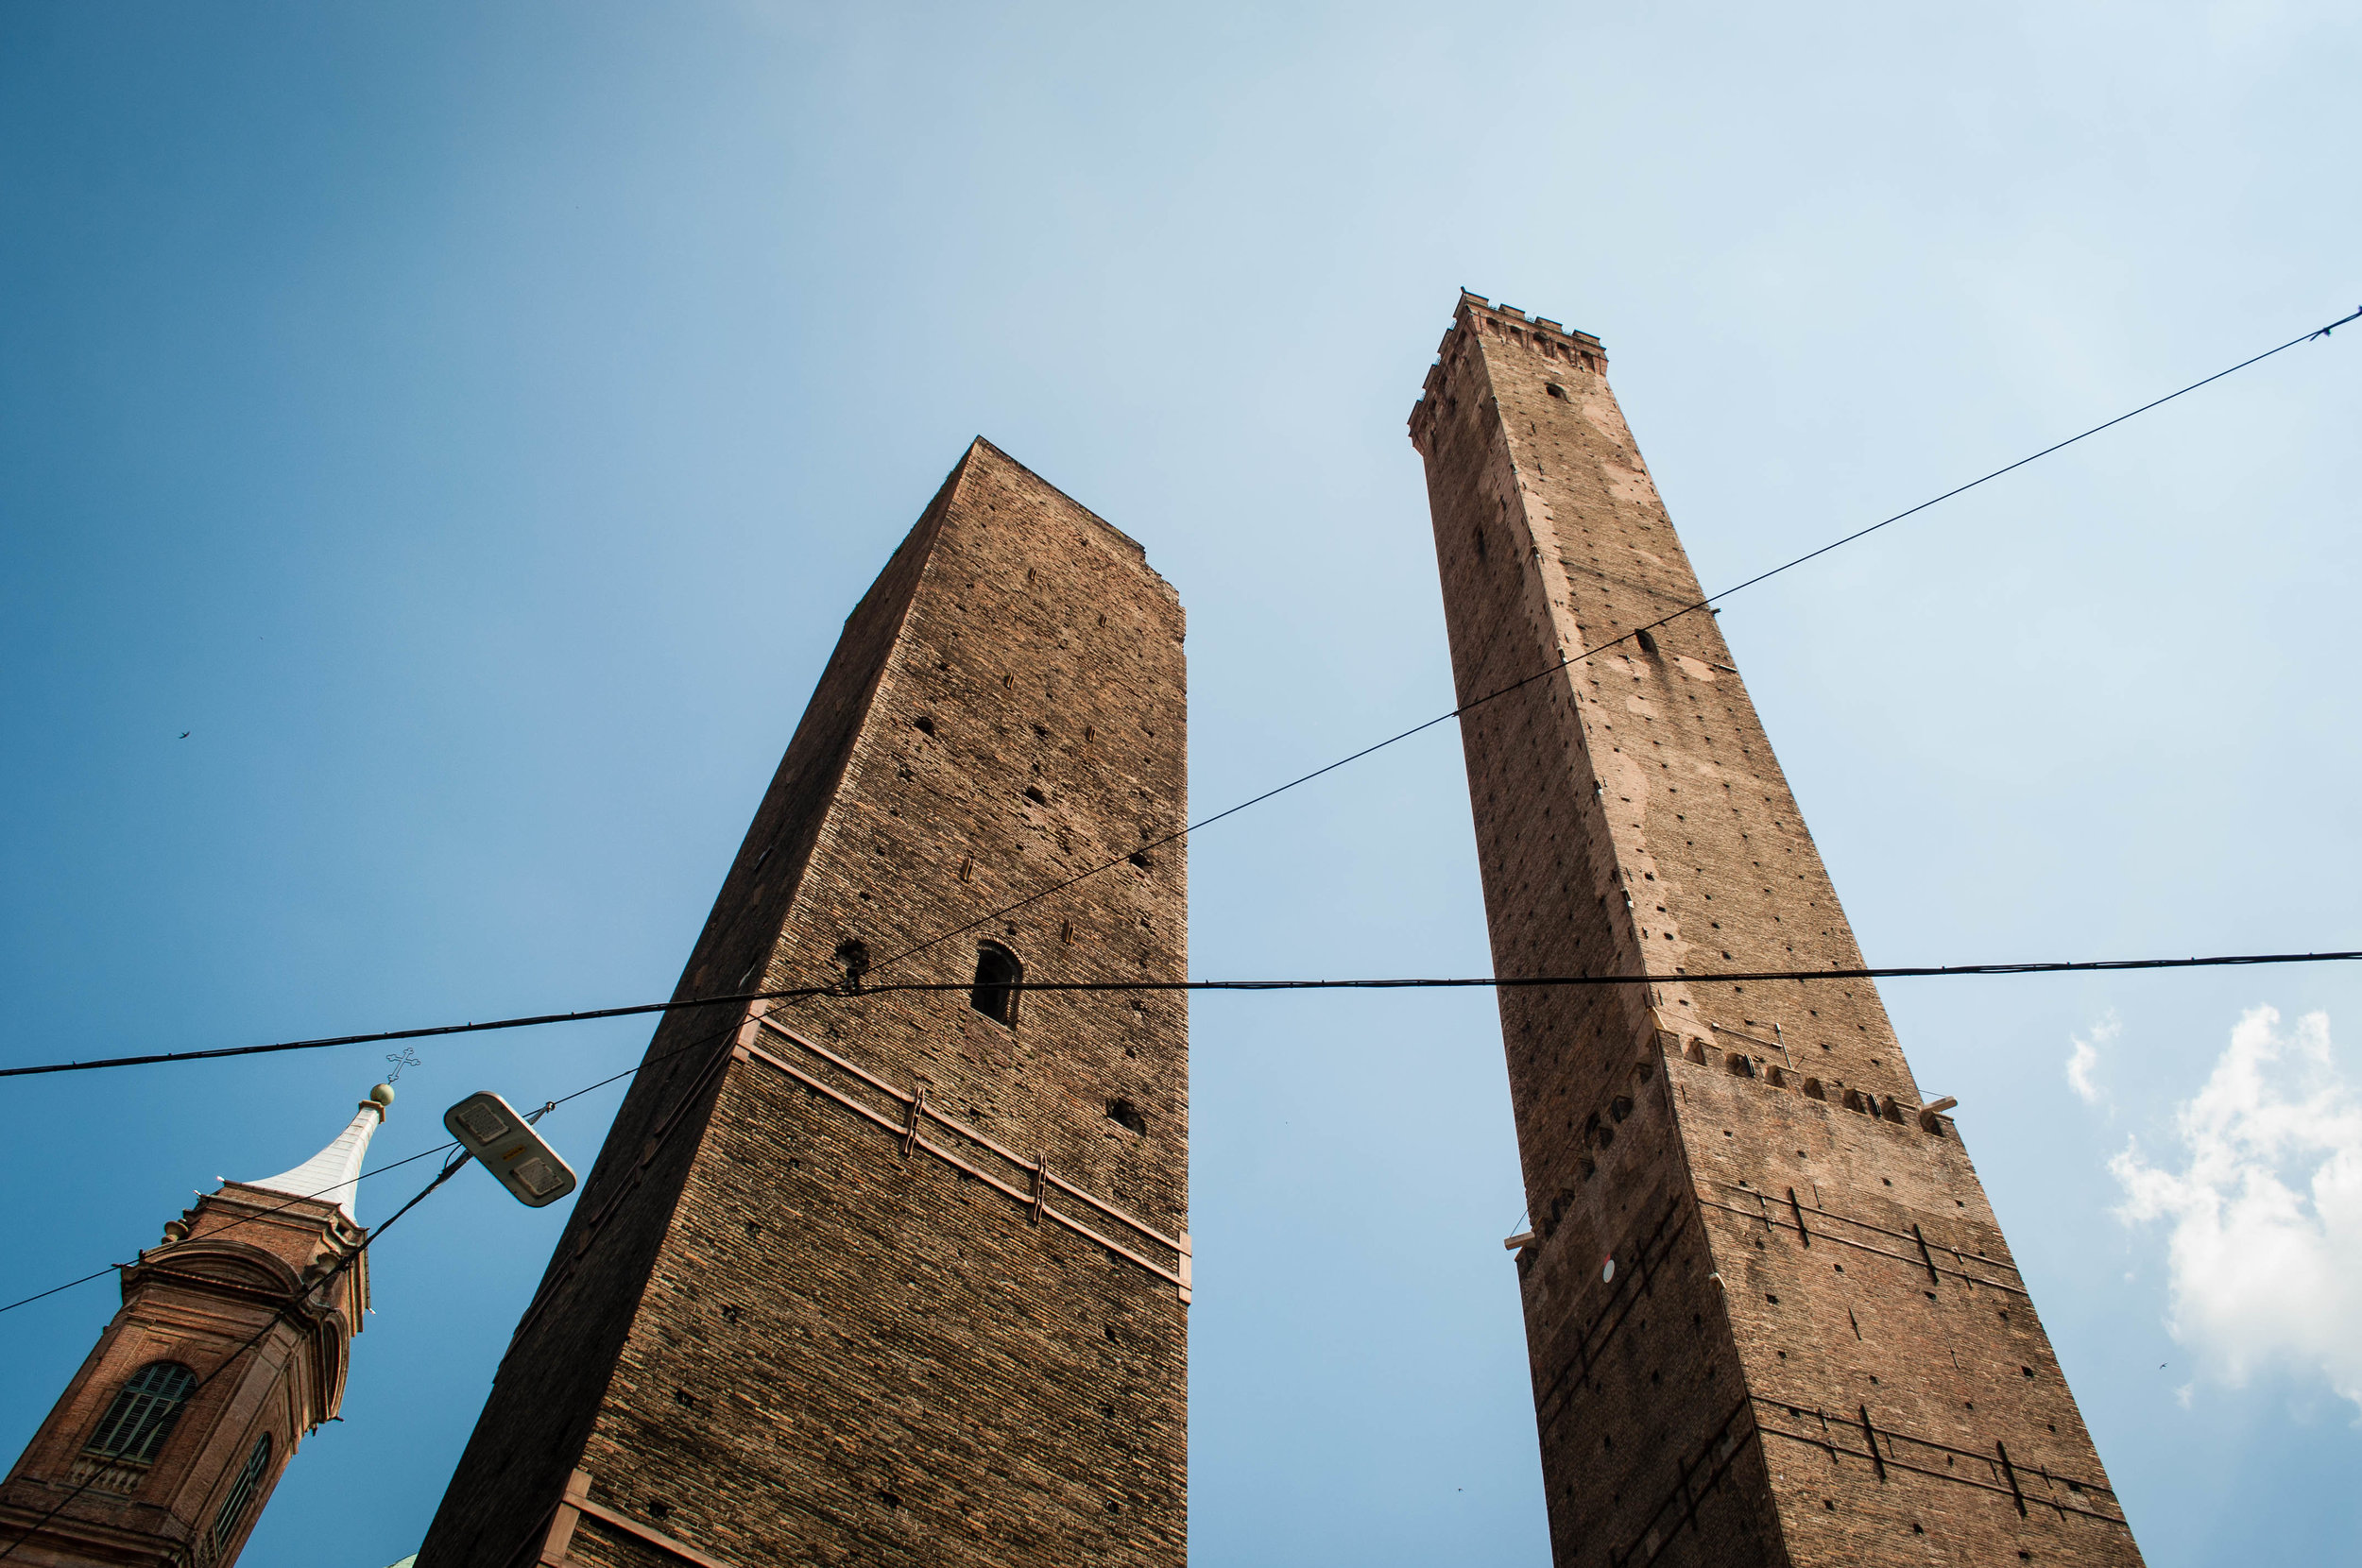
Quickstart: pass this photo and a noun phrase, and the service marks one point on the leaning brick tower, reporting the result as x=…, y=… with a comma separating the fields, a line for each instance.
x=1770, y=1317
x=902, y=1277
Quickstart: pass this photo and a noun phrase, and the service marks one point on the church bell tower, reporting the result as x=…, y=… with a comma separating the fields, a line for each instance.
x=230, y=1348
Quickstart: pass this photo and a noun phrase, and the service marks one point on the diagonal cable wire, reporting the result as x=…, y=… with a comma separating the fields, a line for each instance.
x=1591, y=653
x=800, y=994
x=429, y=1032
x=805, y=993
x=794, y=996
x=531, y=1117
x=247, y=1219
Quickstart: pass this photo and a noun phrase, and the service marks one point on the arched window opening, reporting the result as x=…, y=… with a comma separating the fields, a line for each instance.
x=1739, y=1066
x=854, y=954
x=1126, y=1114
x=1648, y=643
x=998, y=979
x=242, y=1492
x=136, y=1424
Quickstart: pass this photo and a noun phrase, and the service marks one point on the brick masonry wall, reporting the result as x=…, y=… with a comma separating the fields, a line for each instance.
x=1813, y=1348
x=770, y=1334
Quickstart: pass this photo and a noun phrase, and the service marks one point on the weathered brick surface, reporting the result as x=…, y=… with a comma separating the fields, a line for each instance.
x=768, y=1333
x=1814, y=1348
x=247, y=1291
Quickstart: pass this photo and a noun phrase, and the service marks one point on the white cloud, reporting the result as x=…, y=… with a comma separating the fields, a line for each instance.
x=2086, y=1057
x=2265, y=1216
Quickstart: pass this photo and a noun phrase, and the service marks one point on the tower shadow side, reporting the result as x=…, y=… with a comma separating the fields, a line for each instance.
x=899, y=1277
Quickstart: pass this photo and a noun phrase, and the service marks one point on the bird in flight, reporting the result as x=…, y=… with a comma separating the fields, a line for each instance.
x=186, y=733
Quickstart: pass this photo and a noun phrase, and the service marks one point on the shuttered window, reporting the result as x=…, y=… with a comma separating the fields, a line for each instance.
x=242, y=1492
x=136, y=1424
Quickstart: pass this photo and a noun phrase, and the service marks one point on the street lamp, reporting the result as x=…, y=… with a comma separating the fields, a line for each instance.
x=504, y=1143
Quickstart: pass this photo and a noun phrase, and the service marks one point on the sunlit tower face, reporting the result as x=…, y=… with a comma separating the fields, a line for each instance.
x=1770, y=1315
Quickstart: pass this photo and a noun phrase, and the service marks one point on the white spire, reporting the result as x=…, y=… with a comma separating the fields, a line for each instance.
x=330, y=1174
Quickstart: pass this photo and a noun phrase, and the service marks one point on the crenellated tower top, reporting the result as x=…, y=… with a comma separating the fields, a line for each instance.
x=1577, y=352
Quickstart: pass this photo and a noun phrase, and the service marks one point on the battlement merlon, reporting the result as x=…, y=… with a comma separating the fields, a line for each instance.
x=1472, y=305
x=1508, y=325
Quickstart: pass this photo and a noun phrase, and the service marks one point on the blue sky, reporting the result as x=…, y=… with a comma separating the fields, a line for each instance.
x=471, y=423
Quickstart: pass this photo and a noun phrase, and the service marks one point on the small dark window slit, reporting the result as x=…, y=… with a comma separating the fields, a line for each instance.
x=242, y=1492
x=999, y=979
x=1648, y=643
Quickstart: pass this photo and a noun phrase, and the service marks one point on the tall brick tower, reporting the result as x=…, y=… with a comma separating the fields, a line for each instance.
x=900, y=1278
x=230, y=1347
x=1770, y=1316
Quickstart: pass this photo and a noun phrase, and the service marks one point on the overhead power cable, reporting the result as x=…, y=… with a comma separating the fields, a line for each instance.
x=247, y=1219
x=803, y=994
x=448, y=1171
x=1510, y=982
x=43, y=1295
x=848, y=991
x=1593, y=652
x=431, y=1032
